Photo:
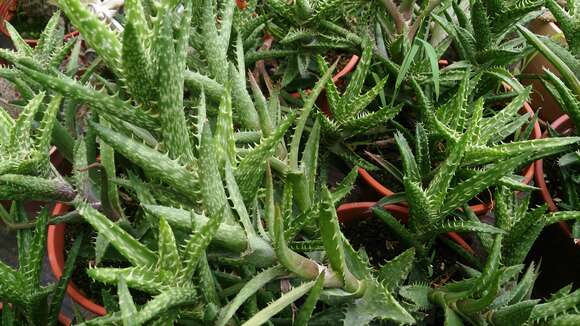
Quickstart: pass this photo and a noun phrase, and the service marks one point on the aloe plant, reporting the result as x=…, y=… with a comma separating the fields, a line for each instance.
x=498, y=294
x=564, y=86
x=208, y=193
x=25, y=300
x=471, y=141
x=483, y=35
x=215, y=187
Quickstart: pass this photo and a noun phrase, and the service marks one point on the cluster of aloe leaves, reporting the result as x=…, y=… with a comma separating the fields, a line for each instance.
x=564, y=86
x=208, y=193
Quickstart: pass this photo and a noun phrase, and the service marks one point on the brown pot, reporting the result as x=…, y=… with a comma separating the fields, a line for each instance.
x=541, y=97
x=55, y=251
x=564, y=126
x=7, y=11
x=352, y=212
x=479, y=209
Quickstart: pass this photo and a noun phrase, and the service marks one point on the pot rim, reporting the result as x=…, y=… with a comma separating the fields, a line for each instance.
x=55, y=252
x=353, y=211
x=479, y=209
x=7, y=10
x=558, y=125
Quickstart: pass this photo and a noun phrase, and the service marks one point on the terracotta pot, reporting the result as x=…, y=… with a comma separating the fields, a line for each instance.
x=563, y=125
x=352, y=212
x=541, y=97
x=479, y=209
x=8, y=9
x=55, y=251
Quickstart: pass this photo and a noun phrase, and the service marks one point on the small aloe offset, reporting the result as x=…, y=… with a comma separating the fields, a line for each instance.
x=348, y=115
x=483, y=37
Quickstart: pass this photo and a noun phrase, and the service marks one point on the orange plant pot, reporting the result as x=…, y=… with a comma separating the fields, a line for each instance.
x=352, y=212
x=479, y=209
x=55, y=251
x=563, y=125
x=7, y=11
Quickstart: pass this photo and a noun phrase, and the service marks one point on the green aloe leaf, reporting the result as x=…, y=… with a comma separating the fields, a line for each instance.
x=376, y=303
x=481, y=25
x=409, y=163
x=200, y=82
x=304, y=113
x=98, y=35
x=309, y=305
x=446, y=171
x=302, y=266
x=569, y=103
x=197, y=244
x=129, y=247
x=31, y=271
x=135, y=14
x=567, y=74
x=213, y=194
x=100, y=101
x=10, y=282
x=163, y=302
x=514, y=315
x=395, y=271
x=555, y=307
x=261, y=107
x=310, y=160
x=128, y=308
x=422, y=149
x=483, y=155
x=246, y=111
x=214, y=48
x=224, y=134
x=171, y=114
x=249, y=289
x=49, y=39
x=47, y=124
x=433, y=62
x=345, y=186
x=476, y=184
x=228, y=236
x=567, y=21
x=237, y=200
x=155, y=163
x=169, y=259
x=22, y=187
x=146, y=278
x=136, y=65
x=358, y=103
x=21, y=46
x=251, y=169
x=461, y=226
x=20, y=139
x=366, y=121
x=332, y=239
x=275, y=307
x=60, y=290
